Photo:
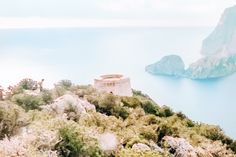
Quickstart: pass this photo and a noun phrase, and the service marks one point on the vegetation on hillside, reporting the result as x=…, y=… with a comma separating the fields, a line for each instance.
x=78, y=121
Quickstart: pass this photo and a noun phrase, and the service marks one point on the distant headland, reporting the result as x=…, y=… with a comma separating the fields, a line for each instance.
x=219, y=50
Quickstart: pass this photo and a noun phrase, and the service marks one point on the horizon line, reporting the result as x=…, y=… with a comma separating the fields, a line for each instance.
x=42, y=22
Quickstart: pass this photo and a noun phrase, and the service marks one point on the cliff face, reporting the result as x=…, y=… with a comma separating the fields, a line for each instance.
x=73, y=120
x=214, y=66
x=223, y=38
x=219, y=50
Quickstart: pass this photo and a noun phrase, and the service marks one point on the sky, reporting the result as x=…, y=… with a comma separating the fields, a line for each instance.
x=112, y=13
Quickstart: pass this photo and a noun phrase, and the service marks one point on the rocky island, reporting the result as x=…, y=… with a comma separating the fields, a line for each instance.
x=219, y=50
x=79, y=121
x=171, y=65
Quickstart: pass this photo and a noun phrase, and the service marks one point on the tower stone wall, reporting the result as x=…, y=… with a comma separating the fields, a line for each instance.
x=114, y=83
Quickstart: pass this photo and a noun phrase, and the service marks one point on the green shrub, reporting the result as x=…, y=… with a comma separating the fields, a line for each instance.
x=71, y=144
x=28, y=102
x=93, y=100
x=181, y=115
x=9, y=114
x=72, y=112
x=66, y=84
x=121, y=112
x=232, y=146
x=215, y=133
x=166, y=129
x=190, y=123
x=150, y=108
x=46, y=96
x=28, y=84
x=75, y=144
x=139, y=93
x=25, y=84
x=131, y=102
x=149, y=132
x=106, y=104
x=110, y=104
x=165, y=112
x=150, y=119
x=86, y=90
x=61, y=88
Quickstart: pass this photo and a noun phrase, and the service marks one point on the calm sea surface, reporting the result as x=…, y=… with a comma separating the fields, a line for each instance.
x=84, y=53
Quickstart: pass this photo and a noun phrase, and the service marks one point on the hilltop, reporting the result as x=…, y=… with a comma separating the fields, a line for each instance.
x=78, y=121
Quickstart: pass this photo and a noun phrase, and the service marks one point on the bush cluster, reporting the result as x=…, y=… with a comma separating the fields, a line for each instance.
x=66, y=84
x=31, y=102
x=9, y=118
x=110, y=104
x=28, y=84
x=75, y=144
x=135, y=119
x=215, y=133
x=61, y=87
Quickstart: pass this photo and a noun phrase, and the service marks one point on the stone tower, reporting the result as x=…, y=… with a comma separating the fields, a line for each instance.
x=114, y=83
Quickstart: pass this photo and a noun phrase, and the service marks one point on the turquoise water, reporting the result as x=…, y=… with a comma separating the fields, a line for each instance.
x=82, y=54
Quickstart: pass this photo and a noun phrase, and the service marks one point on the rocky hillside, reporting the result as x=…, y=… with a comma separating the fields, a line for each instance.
x=77, y=121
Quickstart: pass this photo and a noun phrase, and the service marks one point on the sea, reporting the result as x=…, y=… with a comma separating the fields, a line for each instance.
x=82, y=54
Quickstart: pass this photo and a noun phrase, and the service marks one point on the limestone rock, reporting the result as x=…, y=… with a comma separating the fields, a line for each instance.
x=69, y=102
x=141, y=146
x=171, y=65
x=212, y=67
x=182, y=148
x=223, y=38
x=155, y=147
x=219, y=50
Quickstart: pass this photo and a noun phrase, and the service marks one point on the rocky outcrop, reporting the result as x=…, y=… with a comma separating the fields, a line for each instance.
x=219, y=50
x=223, y=38
x=69, y=103
x=171, y=65
x=212, y=67
x=180, y=147
x=21, y=144
x=141, y=146
x=155, y=147
x=150, y=146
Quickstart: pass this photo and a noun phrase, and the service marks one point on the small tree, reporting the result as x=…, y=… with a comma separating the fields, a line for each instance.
x=28, y=84
x=66, y=84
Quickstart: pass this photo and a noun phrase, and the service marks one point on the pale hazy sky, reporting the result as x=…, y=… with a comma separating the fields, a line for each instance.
x=73, y=13
x=97, y=13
